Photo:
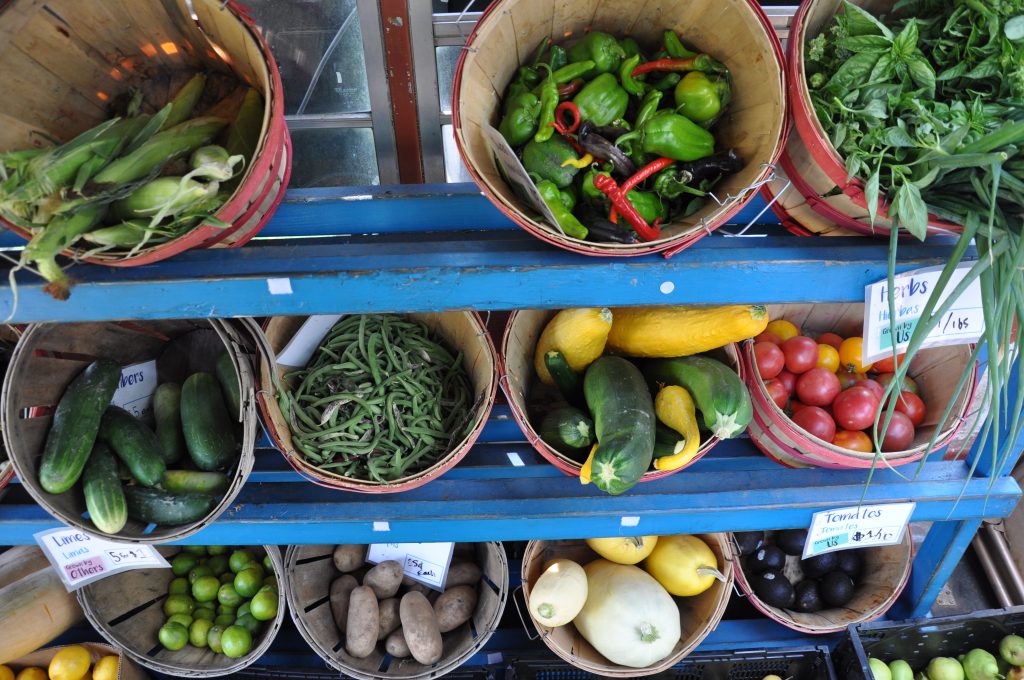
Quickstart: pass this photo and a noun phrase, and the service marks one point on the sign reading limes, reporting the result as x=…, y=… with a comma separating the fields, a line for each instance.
x=81, y=558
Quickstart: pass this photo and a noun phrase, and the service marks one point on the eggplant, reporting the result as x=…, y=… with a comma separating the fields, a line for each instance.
x=600, y=148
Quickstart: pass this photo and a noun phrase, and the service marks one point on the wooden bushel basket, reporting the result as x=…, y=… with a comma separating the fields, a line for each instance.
x=813, y=163
x=8, y=334
x=462, y=331
x=519, y=380
x=127, y=610
x=698, y=615
x=886, y=572
x=936, y=371
x=49, y=356
x=309, y=571
x=62, y=61
x=736, y=32
x=127, y=670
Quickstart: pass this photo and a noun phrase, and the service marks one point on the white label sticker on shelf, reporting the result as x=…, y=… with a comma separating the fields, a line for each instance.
x=515, y=459
x=279, y=286
x=300, y=348
x=629, y=521
x=857, y=527
x=381, y=526
x=424, y=562
x=135, y=389
x=81, y=558
x=494, y=658
x=963, y=323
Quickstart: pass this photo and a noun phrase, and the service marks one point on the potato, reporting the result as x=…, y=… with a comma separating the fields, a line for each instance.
x=349, y=557
x=363, y=622
x=418, y=588
x=455, y=607
x=419, y=627
x=462, y=574
x=389, y=617
x=395, y=645
x=385, y=579
x=341, y=590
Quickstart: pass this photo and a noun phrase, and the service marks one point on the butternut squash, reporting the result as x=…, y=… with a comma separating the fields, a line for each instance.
x=33, y=611
x=19, y=562
x=662, y=332
x=579, y=334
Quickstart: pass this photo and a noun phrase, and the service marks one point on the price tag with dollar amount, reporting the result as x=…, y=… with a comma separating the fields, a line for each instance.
x=424, y=562
x=859, y=526
x=81, y=558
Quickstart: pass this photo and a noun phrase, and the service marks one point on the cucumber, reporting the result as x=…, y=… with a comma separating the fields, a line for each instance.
x=163, y=507
x=667, y=442
x=167, y=411
x=76, y=422
x=567, y=429
x=717, y=390
x=228, y=378
x=209, y=431
x=134, y=443
x=184, y=481
x=104, y=498
x=568, y=381
x=623, y=411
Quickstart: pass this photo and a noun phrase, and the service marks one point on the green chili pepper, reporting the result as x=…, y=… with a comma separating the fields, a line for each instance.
x=601, y=48
x=566, y=220
x=674, y=46
x=629, y=83
x=649, y=205
x=548, y=103
x=602, y=100
x=700, y=98
x=673, y=136
x=587, y=187
x=538, y=52
x=572, y=71
x=671, y=185
x=648, y=107
x=520, y=120
x=630, y=46
x=558, y=58
x=568, y=198
x=668, y=82
x=544, y=159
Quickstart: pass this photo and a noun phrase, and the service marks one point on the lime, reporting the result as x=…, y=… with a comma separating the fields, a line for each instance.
x=225, y=609
x=173, y=636
x=205, y=588
x=178, y=604
x=213, y=637
x=218, y=563
x=224, y=619
x=239, y=559
x=248, y=581
x=227, y=595
x=178, y=586
x=199, y=571
x=216, y=550
x=198, y=631
x=198, y=550
x=204, y=613
x=244, y=609
x=249, y=622
x=268, y=564
x=227, y=577
x=264, y=605
x=235, y=642
x=268, y=586
x=183, y=619
x=183, y=563
x=270, y=581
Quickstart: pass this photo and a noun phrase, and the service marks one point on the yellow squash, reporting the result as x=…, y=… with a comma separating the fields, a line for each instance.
x=664, y=332
x=684, y=565
x=623, y=549
x=674, y=406
x=579, y=334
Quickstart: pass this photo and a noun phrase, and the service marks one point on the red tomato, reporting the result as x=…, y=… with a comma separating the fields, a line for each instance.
x=855, y=408
x=817, y=387
x=908, y=383
x=900, y=433
x=830, y=339
x=816, y=421
x=787, y=379
x=795, y=406
x=777, y=391
x=888, y=364
x=801, y=354
x=875, y=388
x=911, y=405
x=848, y=378
x=769, y=359
x=768, y=337
x=854, y=440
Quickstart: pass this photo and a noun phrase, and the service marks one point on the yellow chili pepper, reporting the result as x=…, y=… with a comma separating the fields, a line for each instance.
x=674, y=406
x=579, y=163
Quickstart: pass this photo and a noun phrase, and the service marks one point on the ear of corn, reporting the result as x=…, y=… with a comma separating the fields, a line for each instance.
x=167, y=195
x=185, y=101
x=124, y=235
x=160, y=149
x=59, y=234
x=243, y=134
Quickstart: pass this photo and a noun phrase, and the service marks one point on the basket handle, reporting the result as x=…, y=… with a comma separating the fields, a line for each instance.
x=531, y=631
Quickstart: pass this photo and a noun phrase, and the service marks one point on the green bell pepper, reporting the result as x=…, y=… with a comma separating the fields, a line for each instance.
x=602, y=100
x=630, y=46
x=587, y=187
x=672, y=136
x=649, y=205
x=566, y=220
x=520, y=120
x=601, y=48
x=558, y=58
x=544, y=160
x=700, y=98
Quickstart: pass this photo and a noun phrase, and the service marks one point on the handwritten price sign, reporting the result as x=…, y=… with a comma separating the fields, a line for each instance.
x=424, y=562
x=82, y=558
x=857, y=527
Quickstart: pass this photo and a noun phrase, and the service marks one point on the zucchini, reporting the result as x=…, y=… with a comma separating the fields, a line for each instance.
x=134, y=443
x=104, y=497
x=163, y=507
x=167, y=412
x=568, y=381
x=667, y=442
x=76, y=422
x=717, y=390
x=228, y=377
x=209, y=431
x=567, y=429
x=623, y=411
x=184, y=481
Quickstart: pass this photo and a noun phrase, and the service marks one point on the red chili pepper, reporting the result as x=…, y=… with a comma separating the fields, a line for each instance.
x=610, y=188
x=560, y=125
x=643, y=173
x=701, y=62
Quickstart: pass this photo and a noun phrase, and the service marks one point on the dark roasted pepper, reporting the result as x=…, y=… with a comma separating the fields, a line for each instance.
x=566, y=220
x=544, y=160
x=673, y=136
x=602, y=100
x=601, y=48
x=700, y=98
x=520, y=120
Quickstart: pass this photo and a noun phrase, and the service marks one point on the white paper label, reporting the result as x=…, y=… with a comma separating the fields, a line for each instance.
x=629, y=521
x=135, y=390
x=963, y=323
x=424, y=562
x=281, y=286
x=514, y=171
x=300, y=348
x=857, y=527
x=82, y=558
x=515, y=459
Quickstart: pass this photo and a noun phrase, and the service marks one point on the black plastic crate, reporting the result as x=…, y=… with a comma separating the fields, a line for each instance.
x=810, y=663
x=917, y=641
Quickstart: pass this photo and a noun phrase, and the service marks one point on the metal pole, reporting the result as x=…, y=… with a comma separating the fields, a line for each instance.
x=991, y=571
x=1000, y=551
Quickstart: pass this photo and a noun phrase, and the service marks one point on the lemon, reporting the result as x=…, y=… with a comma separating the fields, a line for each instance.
x=6, y=673
x=70, y=663
x=31, y=673
x=106, y=668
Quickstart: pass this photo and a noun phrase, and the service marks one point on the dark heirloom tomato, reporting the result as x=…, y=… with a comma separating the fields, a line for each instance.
x=816, y=421
x=911, y=405
x=855, y=408
x=817, y=387
x=900, y=433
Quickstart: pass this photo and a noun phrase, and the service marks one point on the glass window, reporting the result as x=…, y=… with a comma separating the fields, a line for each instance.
x=326, y=157
x=447, y=57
